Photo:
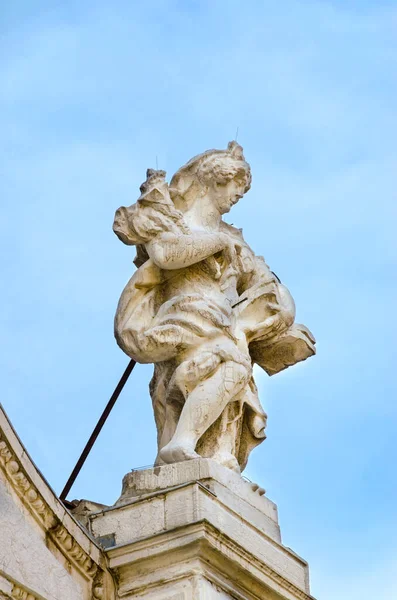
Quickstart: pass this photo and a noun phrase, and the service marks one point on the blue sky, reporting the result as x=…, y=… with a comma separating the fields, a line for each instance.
x=92, y=93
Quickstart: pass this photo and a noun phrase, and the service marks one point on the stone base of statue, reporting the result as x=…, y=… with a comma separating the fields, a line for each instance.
x=196, y=530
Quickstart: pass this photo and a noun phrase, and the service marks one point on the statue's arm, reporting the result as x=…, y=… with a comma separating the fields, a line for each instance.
x=173, y=251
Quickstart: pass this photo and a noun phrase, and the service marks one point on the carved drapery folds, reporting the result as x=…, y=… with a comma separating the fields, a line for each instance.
x=203, y=307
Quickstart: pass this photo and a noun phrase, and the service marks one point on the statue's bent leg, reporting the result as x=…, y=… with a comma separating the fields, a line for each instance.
x=172, y=414
x=202, y=407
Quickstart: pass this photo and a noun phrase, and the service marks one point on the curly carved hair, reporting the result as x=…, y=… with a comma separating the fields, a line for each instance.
x=219, y=166
x=223, y=169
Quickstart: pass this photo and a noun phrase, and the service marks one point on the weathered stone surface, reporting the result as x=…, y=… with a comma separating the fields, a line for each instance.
x=197, y=530
x=25, y=557
x=192, y=530
x=202, y=307
x=228, y=486
x=44, y=553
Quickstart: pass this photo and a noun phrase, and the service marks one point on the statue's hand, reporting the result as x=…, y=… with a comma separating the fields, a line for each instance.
x=230, y=253
x=230, y=247
x=268, y=328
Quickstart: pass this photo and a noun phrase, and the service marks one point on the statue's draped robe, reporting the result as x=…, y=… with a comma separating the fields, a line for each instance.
x=172, y=332
x=223, y=312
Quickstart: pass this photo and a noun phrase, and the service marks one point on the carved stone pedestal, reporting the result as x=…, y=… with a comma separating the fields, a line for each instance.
x=196, y=530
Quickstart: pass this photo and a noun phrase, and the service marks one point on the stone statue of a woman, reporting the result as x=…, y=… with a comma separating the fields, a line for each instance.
x=203, y=308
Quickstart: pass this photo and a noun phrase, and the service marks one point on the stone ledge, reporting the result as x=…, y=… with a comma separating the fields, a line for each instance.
x=186, y=504
x=140, y=482
x=11, y=590
x=239, y=495
x=198, y=550
x=198, y=529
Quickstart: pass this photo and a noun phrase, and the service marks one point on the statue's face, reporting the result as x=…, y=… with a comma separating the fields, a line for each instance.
x=227, y=195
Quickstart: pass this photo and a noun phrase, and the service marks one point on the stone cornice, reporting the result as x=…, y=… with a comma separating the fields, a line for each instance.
x=23, y=487
x=212, y=546
x=57, y=523
x=42, y=512
x=219, y=539
x=10, y=590
x=19, y=593
x=68, y=545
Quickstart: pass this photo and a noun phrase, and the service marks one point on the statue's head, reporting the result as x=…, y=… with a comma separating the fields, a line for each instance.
x=222, y=175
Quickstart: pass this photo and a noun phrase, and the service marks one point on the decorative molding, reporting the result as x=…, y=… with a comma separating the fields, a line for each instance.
x=36, y=504
x=12, y=590
x=98, y=586
x=229, y=547
x=216, y=549
x=24, y=488
x=19, y=593
x=68, y=545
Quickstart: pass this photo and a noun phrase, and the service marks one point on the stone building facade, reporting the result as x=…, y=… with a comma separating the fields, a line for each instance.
x=186, y=531
x=45, y=553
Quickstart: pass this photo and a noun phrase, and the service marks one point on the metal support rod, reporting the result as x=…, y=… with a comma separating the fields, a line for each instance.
x=96, y=431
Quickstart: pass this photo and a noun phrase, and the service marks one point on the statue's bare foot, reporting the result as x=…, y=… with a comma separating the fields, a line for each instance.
x=177, y=452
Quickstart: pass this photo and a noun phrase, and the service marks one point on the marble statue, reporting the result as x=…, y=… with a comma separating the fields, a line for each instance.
x=203, y=308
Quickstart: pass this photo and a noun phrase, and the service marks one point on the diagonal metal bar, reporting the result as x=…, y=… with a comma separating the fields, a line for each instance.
x=96, y=432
